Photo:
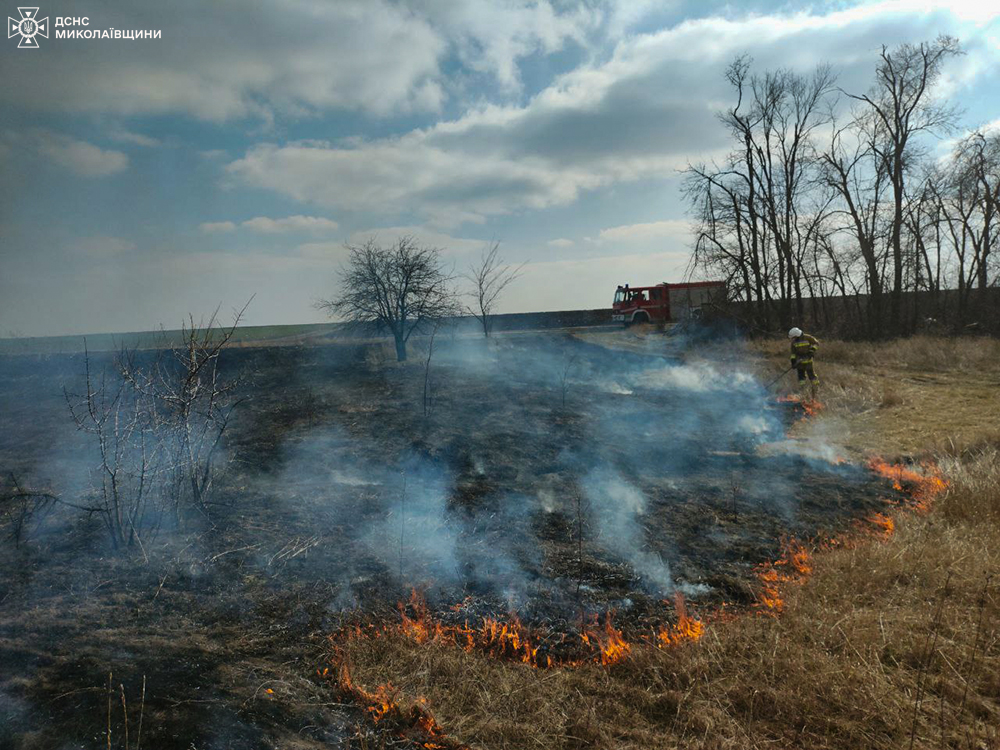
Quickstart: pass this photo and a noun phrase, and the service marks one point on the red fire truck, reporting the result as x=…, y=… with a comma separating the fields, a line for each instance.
x=665, y=303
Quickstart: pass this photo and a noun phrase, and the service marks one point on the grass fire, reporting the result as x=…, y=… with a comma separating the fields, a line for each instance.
x=392, y=586
x=476, y=375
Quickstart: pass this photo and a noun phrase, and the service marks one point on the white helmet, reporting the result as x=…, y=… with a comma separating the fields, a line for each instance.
x=795, y=333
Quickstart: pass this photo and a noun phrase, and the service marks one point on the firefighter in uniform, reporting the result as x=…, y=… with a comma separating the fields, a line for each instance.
x=804, y=347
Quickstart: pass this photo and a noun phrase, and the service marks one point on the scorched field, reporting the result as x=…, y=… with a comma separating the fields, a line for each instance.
x=607, y=539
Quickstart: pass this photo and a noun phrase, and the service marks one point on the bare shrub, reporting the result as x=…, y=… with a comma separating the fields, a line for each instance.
x=193, y=402
x=158, y=426
x=21, y=507
x=490, y=276
x=125, y=425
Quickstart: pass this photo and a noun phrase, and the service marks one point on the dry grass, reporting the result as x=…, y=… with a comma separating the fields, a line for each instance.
x=887, y=644
x=925, y=395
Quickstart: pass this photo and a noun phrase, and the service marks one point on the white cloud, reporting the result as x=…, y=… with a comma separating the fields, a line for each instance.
x=560, y=242
x=137, y=139
x=83, y=158
x=216, y=227
x=314, y=224
x=492, y=38
x=653, y=232
x=642, y=114
x=220, y=62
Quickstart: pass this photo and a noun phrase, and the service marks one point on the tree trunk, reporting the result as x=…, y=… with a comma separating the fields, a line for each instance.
x=400, y=347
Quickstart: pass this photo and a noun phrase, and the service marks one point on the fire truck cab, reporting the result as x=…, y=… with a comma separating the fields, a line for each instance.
x=665, y=303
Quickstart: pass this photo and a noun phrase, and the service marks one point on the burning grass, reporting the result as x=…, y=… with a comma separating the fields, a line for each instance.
x=888, y=640
x=879, y=643
x=891, y=643
x=596, y=640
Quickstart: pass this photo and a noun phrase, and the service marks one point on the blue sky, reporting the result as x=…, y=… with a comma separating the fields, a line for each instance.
x=237, y=154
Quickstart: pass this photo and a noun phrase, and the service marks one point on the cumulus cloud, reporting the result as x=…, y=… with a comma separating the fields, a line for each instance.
x=656, y=231
x=314, y=224
x=136, y=139
x=218, y=62
x=641, y=114
x=85, y=159
x=216, y=227
x=492, y=37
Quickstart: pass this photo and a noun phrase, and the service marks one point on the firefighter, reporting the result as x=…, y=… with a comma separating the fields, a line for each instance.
x=804, y=347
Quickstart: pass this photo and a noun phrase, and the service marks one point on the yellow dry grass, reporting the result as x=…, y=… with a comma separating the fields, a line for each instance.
x=909, y=396
x=889, y=644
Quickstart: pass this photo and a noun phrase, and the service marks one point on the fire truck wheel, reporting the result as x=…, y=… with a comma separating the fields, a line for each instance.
x=640, y=318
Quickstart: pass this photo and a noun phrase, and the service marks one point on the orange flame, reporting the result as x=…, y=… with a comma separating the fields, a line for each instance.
x=922, y=486
x=810, y=407
x=885, y=527
x=501, y=639
x=685, y=629
x=416, y=724
x=794, y=566
x=610, y=643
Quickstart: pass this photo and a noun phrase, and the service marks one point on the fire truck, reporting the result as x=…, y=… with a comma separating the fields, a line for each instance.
x=665, y=303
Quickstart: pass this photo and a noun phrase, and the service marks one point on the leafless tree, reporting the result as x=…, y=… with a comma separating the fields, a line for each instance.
x=866, y=217
x=858, y=177
x=758, y=213
x=964, y=195
x=400, y=289
x=901, y=106
x=490, y=276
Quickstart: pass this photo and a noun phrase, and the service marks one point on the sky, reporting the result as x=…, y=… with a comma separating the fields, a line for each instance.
x=238, y=154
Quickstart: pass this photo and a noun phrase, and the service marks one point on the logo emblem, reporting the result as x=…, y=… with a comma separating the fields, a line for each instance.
x=29, y=26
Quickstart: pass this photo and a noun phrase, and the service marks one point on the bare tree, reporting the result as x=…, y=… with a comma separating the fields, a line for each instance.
x=757, y=212
x=399, y=289
x=868, y=218
x=852, y=169
x=902, y=106
x=490, y=276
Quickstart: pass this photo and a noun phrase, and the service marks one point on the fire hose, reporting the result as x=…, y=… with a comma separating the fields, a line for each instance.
x=779, y=377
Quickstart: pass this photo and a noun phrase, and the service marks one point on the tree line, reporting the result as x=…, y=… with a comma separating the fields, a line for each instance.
x=832, y=208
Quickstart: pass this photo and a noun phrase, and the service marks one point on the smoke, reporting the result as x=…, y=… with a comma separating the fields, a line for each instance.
x=479, y=496
x=415, y=530
x=619, y=508
x=638, y=432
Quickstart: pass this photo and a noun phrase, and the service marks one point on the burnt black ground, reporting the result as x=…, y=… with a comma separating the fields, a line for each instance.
x=311, y=522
